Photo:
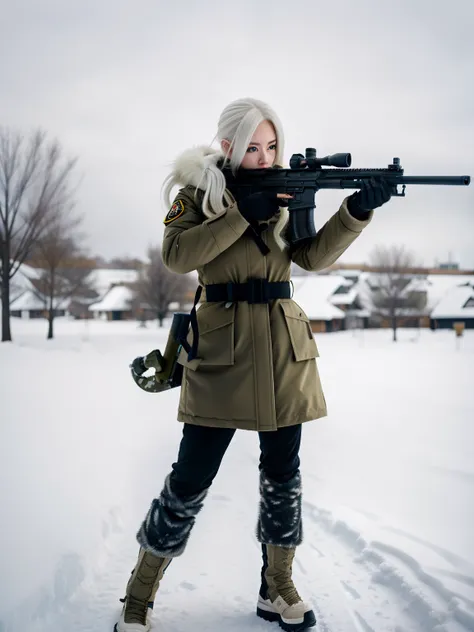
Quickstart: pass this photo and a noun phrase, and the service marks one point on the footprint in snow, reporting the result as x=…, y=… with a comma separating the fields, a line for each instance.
x=221, y=498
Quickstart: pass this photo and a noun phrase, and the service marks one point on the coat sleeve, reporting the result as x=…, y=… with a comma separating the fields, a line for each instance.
x=331, y=241
x=190, y=240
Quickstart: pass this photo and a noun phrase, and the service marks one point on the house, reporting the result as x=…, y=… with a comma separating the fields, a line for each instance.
x=408, y=290
x=438, y=286
x=31, y=305
x=313, y=292
x=100, y=280
x=103, y=279
x=456, y=306
x=115, y=305
x=25, y=301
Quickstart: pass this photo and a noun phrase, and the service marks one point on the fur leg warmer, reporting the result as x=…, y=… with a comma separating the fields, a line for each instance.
x=168, y=523
x=279, y=521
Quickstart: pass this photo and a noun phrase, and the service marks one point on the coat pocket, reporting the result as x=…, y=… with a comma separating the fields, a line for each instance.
x=216, y=337
x=299, y=330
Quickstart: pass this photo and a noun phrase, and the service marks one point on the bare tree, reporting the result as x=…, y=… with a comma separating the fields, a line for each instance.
x=34, y=183
x=157, y=287
x=395, y=292
x=64, y=270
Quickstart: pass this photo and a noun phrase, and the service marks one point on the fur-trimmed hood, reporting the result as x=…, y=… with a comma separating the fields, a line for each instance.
x=190, y=167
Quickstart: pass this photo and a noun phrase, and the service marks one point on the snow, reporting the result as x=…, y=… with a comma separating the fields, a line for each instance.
x=388, y=480
x=313, y=292
x=452, y=304
x=117, y=298
x=440, y=284
x=104, y=278
x=31, y=301
x=344, y=299
x=350, y=273
x=436, y=286
x=20, y=281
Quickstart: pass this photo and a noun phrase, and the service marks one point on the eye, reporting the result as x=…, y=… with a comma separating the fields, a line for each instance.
x=251, y=150
x=273, y=147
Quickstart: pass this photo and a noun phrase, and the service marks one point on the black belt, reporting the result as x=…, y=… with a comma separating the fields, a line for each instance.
x=253, y=291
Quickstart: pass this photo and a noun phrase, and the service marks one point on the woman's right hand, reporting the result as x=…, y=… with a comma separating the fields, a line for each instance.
x=263, y=205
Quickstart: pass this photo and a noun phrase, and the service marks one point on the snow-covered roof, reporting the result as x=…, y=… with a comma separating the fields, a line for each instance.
x=452, y=305
x=28, y=272
x=436, y=286
x=347, y=273
x=30, y=301
x=102, y=279
x=344, y=299
x=440, y=284
x=312, y=292
x=20, y=282
x=117, y=299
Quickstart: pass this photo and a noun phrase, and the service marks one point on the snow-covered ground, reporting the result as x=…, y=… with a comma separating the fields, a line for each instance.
x=388, y=487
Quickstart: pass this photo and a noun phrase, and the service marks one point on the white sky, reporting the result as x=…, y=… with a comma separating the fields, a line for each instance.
x=127, y=86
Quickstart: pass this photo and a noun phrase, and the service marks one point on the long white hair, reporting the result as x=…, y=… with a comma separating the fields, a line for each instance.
x=237, y=125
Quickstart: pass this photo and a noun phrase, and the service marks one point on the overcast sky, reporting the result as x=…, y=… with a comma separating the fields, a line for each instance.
x=126, y=86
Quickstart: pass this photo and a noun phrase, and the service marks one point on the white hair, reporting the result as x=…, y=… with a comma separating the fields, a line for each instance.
x=237, y=125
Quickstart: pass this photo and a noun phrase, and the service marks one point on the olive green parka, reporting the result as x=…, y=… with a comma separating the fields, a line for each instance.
x=256, y=363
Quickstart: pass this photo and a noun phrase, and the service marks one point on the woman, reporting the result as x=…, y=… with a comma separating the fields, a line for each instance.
x=254, y=367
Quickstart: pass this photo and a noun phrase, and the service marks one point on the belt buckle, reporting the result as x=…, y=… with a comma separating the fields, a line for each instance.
x=257, y=290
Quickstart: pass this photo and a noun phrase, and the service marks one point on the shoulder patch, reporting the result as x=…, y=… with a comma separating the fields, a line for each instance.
x=175, y=211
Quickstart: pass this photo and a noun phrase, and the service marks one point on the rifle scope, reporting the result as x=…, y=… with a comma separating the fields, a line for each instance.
x=309, y=161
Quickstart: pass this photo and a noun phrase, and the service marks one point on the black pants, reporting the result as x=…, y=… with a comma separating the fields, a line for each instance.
x=170, y=519
x=202, y=448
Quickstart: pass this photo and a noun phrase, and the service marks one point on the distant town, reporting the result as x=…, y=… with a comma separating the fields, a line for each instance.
x=345, y=296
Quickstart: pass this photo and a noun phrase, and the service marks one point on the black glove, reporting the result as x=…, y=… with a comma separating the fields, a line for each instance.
x=373, y=194
x=260, y=206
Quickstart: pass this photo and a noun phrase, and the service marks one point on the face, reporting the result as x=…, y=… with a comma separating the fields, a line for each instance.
x=261, y=152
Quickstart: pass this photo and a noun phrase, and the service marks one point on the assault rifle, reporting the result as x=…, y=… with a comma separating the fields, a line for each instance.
x=306, y=176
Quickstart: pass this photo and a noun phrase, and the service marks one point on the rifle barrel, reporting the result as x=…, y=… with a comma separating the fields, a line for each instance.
x=449, y=180
x=355, y=183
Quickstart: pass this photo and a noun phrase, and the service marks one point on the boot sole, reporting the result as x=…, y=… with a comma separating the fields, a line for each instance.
x=308, y=622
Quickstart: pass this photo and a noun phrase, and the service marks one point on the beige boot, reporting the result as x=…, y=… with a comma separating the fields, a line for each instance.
x=141, y=591
x=278, y=599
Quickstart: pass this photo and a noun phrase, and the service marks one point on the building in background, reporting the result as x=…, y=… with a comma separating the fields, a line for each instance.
x=333, y=300
x=30, y=305
x=117, y=304
x=103, y=280
x=26, y=301
x=456, y=306
x=313, y=294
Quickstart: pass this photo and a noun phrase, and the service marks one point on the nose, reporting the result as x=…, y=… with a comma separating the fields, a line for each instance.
x=264, y=157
